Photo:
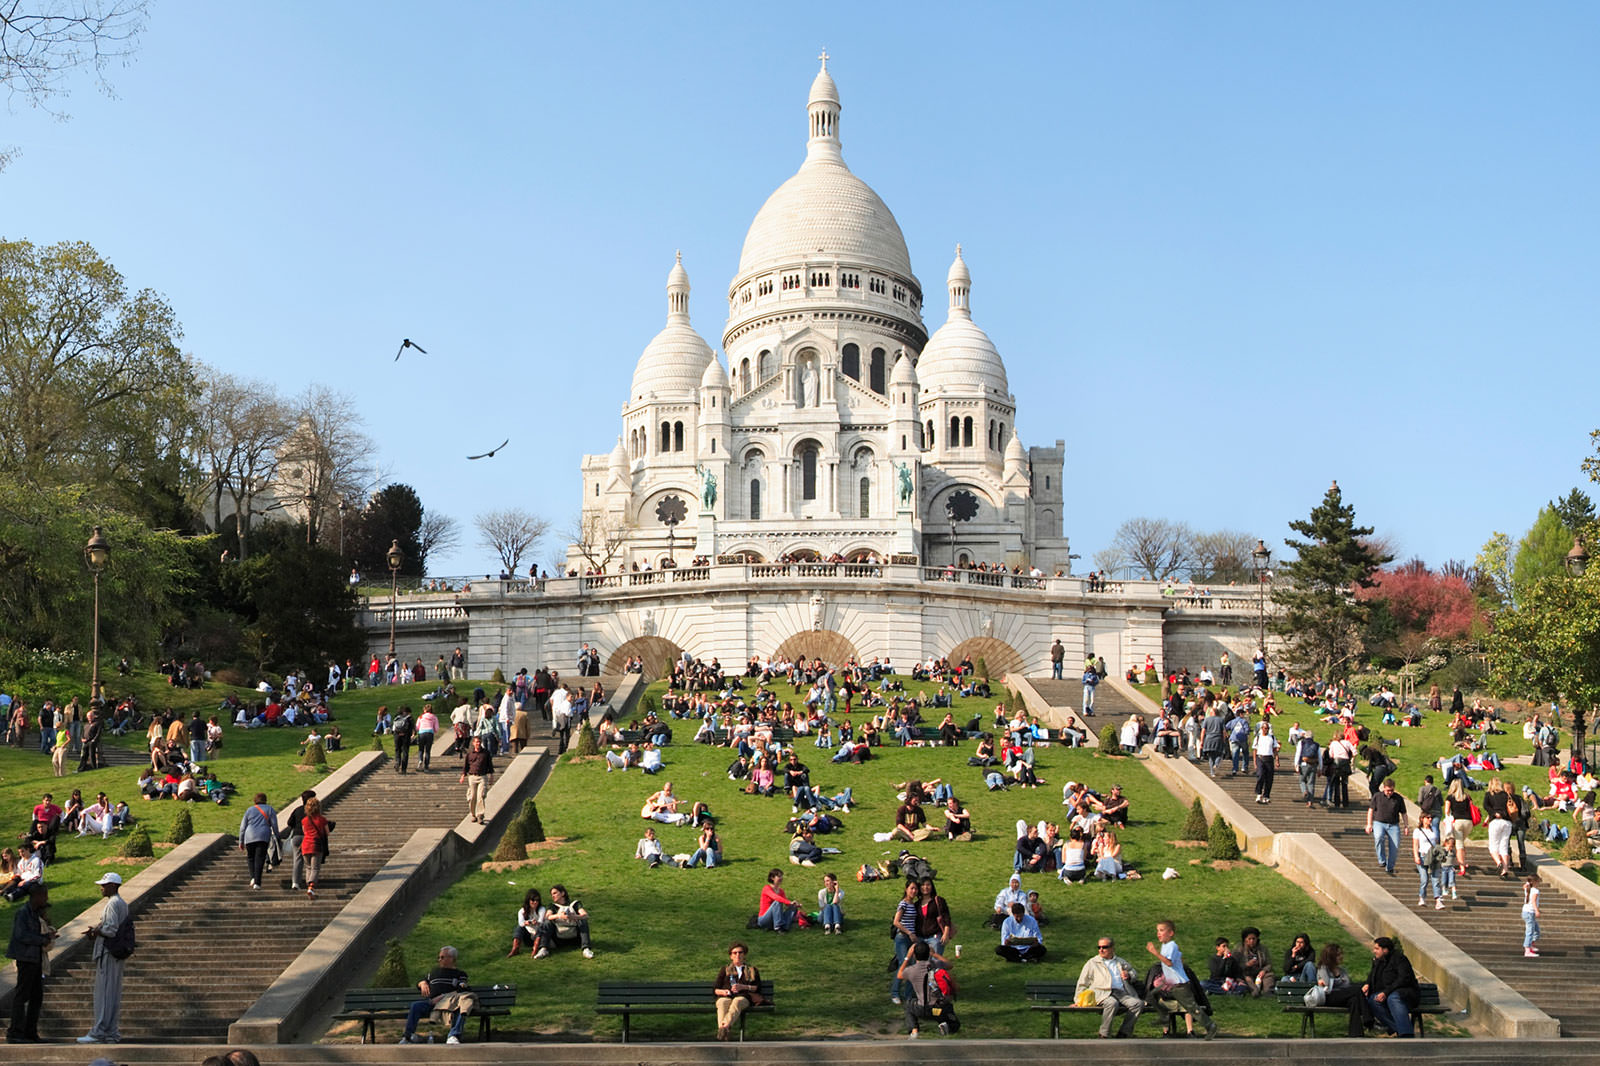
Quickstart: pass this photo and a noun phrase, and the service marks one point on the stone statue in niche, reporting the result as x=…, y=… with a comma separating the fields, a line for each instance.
x=806, y=394
x=986, y=625
x=648, y=623
x=816, y=613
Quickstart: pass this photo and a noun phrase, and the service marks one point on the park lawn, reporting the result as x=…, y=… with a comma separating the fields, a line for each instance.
x=672, y=924
x=255, y=760
x=1420, y=749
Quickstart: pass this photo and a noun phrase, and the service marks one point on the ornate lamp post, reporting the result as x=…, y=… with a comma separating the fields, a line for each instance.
x=1577, y=561
x=1260, y=558
x=397, y=559
x=96, y=554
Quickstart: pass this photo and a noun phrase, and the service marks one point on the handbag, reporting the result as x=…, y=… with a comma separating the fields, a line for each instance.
x=1477, y=813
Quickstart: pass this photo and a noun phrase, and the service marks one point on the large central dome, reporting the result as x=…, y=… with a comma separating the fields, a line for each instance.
x=824, y=211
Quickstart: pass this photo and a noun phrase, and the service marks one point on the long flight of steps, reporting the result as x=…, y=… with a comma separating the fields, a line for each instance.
x=211, y=946
x=1485, y=922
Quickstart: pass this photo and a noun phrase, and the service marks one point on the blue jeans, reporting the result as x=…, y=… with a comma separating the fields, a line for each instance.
x=1055, y=671
x=1392, y=1013
x=1425, y=878
x=1386, y=833
x=804, y=797
x=421, y=1009
x=843, y=799
x=1236, y=751
x=942, y=793
x=776, y=917
x=709, y=856
x=902, y=946
x=1530, y=928
x=1088, y=699
x=832, y=914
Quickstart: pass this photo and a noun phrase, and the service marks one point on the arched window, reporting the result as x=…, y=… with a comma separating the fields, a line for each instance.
x=850, y=362
x=866, y=497
x=808, y=473
x=713, y=446
x=755, y=498
x=666, y=437
x=744, y=376
x=955, y=431
x=597, y=488
x=763, y=365
x=1002, y=436
x=991, y=434
x=966, y=432
x=677, y=436
x=876, y=383
x=927, y=441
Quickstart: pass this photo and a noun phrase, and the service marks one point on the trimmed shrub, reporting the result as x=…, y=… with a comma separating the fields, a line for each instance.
x=498, y=677
x=528, y=818
x=647, y=706
x=1577, y=848
x=182, y=826
x=392, y=970
x=1194, y=826
x=982, y=668
x=513, y=846
x=1224, y=844
x=1110, y=743
x=586, y=744
x=315, y=755
x=138, y=845
x=377, y=745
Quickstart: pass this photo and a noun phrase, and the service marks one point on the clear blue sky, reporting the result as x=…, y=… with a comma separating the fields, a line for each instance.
x=1229, y=251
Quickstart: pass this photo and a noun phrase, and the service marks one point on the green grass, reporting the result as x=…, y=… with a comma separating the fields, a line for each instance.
x=256, y=760
x=673, y=924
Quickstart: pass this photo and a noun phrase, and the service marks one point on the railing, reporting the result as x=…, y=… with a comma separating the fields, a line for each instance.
x=419, y=613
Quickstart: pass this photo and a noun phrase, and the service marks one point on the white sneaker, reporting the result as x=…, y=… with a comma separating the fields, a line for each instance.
x=88, y=1040
x=452, y=1040
x=255, y=884
x=405, y=1040
x=588, y=953
x=542, y=953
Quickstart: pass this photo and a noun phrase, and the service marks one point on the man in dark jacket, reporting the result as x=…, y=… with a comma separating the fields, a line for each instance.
x=1391, y=987
x=29, y=941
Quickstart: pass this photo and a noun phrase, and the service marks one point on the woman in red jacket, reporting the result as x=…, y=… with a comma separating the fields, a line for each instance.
x=314, y=845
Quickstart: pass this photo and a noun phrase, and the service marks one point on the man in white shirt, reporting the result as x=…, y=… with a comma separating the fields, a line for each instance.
x=1020, y=940
x=1265, y=746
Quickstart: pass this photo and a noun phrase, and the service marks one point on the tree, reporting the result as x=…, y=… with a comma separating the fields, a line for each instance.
x=1425, y=602
x=598, y=536
x=1548, y=645
x=240, y=428
x=1110, y=561
x=40, y=46
x=1159, y=548
x=438, y=533
x=92, y=384
x=1575, y=509
x=1321, y=617
x=1223, y=557
x=1493, y=565
x=325, y=459
x=511, y=534
x=1542, y=552
x=298, y=608
x=393, y=515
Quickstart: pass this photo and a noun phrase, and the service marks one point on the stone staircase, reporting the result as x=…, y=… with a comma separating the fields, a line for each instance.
x=1485, y=922
x=211, y=946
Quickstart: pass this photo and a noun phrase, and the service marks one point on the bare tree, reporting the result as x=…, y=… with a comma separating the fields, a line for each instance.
x=598, y=536
x=1222, y=557
x=241, y=427
x=325, y=459
x=1110, y=561
x=1156, y=546
x=511, y=534
x=439, y=533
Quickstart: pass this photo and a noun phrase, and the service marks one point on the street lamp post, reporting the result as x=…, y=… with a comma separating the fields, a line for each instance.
x=1261, y=557
x=950, y=513
x=96, y=554
x=397, y=559
x=1577, y=561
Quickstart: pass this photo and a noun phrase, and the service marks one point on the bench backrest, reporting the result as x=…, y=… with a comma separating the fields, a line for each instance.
x=1051, y=990
x=637, y=993
x=1293, y=995
x=358, y=999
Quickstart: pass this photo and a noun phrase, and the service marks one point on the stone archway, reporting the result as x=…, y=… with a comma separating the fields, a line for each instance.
x=833, y=648
x=658, y=654
x=1000, y=657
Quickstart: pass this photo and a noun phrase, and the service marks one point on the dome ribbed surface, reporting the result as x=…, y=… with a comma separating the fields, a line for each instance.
x=825, y=212
x=672, y=364
x=960, y=357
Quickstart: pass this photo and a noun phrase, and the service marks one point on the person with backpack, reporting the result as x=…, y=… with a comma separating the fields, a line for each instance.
x=1091, y=678
x=931, y=990
x=113, y=943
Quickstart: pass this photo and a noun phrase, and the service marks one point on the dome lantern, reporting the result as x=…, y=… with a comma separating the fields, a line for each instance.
x=959, y=281
x=822, y=112
x=672, y=364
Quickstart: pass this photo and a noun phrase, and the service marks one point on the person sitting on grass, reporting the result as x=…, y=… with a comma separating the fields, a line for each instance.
x=662, y=807
x=1012, y=893
x=1020, y=939
x=910, y=820
x=957, y=820
x=776, y=911
x=1032, y=856
x=830, y=905
x=530, y=917
x=649, y=849
x=1114, y=807
x=803, y=849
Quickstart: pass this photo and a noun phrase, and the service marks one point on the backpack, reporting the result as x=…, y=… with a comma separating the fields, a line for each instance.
x=121, y=943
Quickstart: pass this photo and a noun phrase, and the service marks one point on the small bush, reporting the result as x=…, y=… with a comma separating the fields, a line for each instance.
x=1224, y=843
x=1577, y=848
x=513, y=846
x=315, y=755
x=1110, y=743
x=982, y=668
x=1194, y=826
x=138, y=845
x=498, y=677
x=586, y=744
x=182, y=826
x=647, y=706
x=528, y=818
x=377, y=745
x=229, y=675
x=392, y=970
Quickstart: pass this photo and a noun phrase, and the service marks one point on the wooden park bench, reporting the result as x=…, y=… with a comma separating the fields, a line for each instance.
x=369, y=1005
x=1291, y=997
x=1056, y=997
x=628, y=998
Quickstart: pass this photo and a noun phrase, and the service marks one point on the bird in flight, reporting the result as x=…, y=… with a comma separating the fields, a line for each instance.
x=490, y=453
x=409, y=343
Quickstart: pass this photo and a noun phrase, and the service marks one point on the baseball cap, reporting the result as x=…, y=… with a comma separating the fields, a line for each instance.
x=110, y=879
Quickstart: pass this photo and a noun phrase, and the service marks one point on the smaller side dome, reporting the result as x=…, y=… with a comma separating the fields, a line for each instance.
x=1015, y=453
x=715, y=377
x=672, y=363
x=904, y=373
x=619, y=457
x=960, y=357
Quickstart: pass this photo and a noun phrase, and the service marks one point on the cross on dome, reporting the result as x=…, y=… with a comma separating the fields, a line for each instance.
x=824, y=58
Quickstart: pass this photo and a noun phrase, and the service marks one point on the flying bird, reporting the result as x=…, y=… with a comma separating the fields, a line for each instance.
x=409, y=343
x=490, y=453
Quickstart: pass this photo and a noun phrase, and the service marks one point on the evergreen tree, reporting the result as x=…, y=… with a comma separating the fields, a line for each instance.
x=182, y=826
x=1575, y=510
x=1320, y=617
x=1224, y=843
x=1542, y=552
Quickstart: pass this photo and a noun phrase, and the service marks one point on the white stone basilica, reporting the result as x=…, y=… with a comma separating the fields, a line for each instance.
x=838, y=426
